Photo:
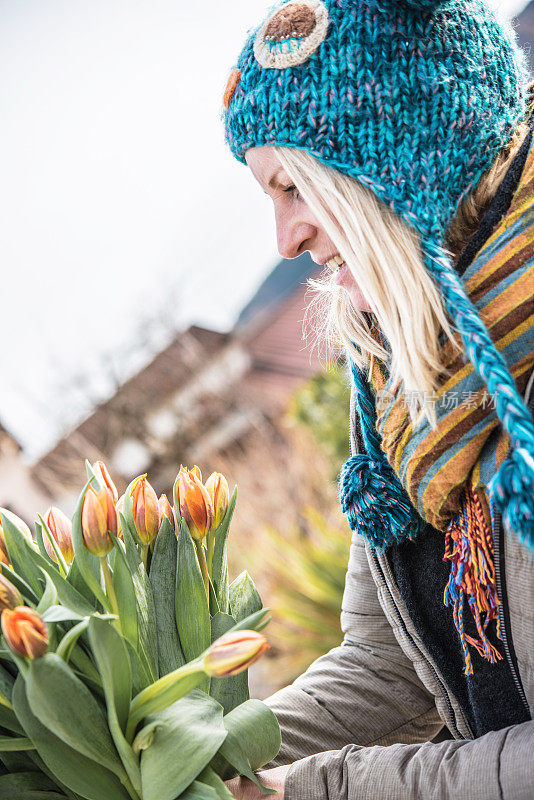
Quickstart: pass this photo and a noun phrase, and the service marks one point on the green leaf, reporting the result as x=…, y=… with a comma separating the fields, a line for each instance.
x=68, y=596
x=66, y=645
x=28, y=786
x=191, y=732
x=88, y=564
x=75, y=579
x=220, y=560
x=199, y=791
x=212, y=779
x=133, y=556
x=82, y=775
x=62, y=614
x=192, y=612
x=141, y=677
x=244, y=597
x=229, y=692
x=125, y=592
x=11, y=743
x=6, y=683
x=18, y=548
x=163, y=581
x=23, y=587
x=148, y=641
x=111, y=657
x=9, y=721
x=53, y=688
x=253, y=740
x=214, y=603
x=40, y=543
x=49, y=596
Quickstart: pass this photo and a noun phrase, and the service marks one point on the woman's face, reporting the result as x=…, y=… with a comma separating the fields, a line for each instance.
x=297, y=229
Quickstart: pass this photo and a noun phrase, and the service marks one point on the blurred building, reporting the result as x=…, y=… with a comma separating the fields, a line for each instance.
x=214, y=399
x=20, y=492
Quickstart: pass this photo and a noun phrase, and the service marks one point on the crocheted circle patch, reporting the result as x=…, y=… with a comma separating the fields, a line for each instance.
x=291, y=34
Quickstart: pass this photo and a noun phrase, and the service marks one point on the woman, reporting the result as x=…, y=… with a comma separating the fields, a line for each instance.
x=396, y=142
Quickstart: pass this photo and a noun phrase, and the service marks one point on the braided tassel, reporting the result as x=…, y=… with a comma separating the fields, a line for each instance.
x=375, y=502
x=512, y=488
x=469, y=546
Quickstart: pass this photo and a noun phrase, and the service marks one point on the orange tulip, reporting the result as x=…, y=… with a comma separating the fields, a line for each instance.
x=10, y=597
x=234, y=652
x=25, y=631
x=195, y=503
x=145, y=510
x=101, y=472
x=217, y=487
x=165, y=509
x=61, y=529
x=99, y=519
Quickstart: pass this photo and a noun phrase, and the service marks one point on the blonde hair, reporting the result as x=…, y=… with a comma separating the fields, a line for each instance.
x=384, y=255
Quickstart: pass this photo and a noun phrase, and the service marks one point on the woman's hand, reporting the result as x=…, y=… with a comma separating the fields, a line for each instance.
x=243, y=788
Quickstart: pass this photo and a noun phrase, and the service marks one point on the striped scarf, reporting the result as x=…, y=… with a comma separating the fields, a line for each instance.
x=446, y=471
x=437, y=467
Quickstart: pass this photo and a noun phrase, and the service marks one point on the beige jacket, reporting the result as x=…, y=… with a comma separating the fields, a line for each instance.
x=358, y=723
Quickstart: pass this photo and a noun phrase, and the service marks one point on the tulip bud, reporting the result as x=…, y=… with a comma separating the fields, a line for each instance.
x=217, y=487
x=165, y=509
x=193, y=471
x=60, y=527
x=145, y=510
x=195, y=503
x=25, y=631
x=99, y=519
x=101, y=472
x=234, y=652
x=10, y=597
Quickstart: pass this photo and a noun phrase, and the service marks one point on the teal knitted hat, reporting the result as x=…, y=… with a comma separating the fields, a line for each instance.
x=414, y=100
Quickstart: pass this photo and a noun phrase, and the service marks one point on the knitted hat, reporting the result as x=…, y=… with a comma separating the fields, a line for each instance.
x=414, y=100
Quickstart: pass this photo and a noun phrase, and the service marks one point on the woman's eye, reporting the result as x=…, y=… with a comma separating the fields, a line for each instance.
x=292, y=190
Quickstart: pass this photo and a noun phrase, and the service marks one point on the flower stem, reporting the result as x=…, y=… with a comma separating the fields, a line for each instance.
x=144, y=554
x=110, y=591
x=211, y=549
x=201, y=555
x=163, y=693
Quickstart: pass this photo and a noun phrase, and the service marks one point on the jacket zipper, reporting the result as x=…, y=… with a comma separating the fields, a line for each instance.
x=452, y=716
x=498, y=551
x=498, y=548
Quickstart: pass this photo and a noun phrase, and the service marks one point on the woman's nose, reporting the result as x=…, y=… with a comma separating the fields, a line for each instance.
x=294, y=236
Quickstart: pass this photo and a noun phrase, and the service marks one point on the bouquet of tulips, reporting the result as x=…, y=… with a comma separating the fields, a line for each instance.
x=125, y=649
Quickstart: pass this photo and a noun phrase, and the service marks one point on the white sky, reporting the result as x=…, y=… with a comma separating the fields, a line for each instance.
x=119, y=202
